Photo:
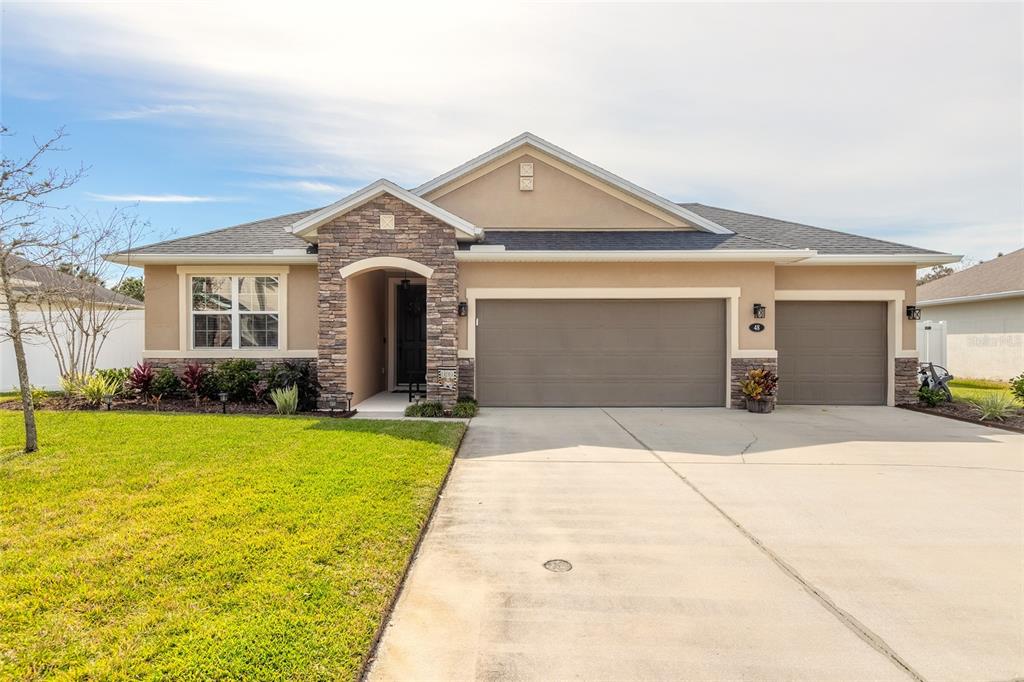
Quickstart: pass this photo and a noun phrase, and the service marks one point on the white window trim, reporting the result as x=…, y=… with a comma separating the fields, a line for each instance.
x=185, y=338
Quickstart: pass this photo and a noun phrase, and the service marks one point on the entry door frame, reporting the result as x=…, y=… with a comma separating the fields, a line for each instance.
x=391, y=342
x=894, y=298
x=731, y=295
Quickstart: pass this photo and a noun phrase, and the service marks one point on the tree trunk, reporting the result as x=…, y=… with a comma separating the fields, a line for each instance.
x=31, y=440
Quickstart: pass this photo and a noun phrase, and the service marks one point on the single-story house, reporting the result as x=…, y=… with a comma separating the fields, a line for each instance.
x=529, y=276
x=122, y=346
x=982, y=310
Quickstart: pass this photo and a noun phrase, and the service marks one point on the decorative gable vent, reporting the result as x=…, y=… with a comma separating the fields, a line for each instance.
x=526, y=177
x=387, y=221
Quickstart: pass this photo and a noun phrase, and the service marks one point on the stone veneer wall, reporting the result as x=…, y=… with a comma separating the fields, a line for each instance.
x=467, y=378
x=262, y=364
x=906, y=381
x=738, y=373
x=417, y=236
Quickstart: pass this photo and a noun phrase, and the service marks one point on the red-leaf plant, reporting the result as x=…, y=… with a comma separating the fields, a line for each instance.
x=141, y=379
x=193, y=377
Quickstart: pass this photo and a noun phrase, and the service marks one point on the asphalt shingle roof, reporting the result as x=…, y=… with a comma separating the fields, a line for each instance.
x=751, y=232
x=257, y=237
x=1002, y=274
x=55, y=280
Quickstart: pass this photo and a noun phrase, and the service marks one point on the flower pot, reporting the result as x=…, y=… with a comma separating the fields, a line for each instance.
x=760, y=406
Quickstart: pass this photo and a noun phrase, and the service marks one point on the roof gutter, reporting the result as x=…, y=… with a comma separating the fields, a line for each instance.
x=648, y=256
x=918, y=259
x=137, y=259
x=968, y=299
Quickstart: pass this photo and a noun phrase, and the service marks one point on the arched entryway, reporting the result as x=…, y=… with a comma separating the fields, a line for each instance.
x=386, y=321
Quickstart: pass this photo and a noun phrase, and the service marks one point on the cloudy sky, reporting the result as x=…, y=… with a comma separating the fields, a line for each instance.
x=897, y=121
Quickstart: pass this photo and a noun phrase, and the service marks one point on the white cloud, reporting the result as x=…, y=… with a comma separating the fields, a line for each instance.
x=157, y=198
x=306, y=187
x=876, y=118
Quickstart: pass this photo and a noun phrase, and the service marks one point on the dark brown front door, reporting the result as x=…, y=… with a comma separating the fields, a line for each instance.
x=411, y=328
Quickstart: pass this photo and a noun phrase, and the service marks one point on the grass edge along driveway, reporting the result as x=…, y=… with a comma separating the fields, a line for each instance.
x=207, y=546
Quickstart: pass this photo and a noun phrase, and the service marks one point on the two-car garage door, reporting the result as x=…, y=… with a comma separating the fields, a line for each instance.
x=601, y=352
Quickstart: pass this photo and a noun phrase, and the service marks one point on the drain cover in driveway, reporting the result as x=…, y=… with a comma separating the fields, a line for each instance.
x=558, y=565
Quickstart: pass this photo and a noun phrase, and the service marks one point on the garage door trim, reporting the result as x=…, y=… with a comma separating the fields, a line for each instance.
x=731, y=296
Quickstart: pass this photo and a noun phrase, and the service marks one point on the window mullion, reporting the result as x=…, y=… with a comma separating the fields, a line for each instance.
x=236, y=318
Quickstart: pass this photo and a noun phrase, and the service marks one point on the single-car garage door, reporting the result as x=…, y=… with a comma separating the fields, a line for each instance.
x=831, y=352
x=600, y=353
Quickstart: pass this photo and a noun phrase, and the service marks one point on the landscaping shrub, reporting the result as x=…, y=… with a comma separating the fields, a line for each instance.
x=997, y=406
x=72, y=384
x=930, y=396
x=194, y=379
x=234, y=377
x=425, y=409
x=300, y=375
x=1017, y=387
x=166, y=384
x=96, y=388
x=38, y=395
x=465, y=408
x=286, y=400
x=760, y=383
x=141, y=379
x=118, y=376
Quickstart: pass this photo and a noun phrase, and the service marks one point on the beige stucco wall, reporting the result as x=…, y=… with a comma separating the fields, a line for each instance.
x=367, y=326
x=756, y=281
x=302, y=307
x=161, y=307
x=984, y=339
x=558, y=200
x=887, y=277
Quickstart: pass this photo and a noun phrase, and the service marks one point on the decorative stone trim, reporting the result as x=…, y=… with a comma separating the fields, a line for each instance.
x=417, y=236
x=905, y=382
x=467, y=378
x=262, y=364
x=738, y=372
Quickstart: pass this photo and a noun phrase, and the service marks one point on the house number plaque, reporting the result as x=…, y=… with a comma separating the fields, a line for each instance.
x=447, y=378
x=756, y=327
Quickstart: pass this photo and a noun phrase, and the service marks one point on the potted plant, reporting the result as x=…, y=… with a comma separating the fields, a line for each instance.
x=759, y=389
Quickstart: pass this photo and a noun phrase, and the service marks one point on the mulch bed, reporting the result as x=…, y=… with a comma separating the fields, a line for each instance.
x=965, y=413
x=177, y=405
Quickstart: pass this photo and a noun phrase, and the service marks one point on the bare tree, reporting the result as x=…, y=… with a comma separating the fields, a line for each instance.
x=26, y=237
x=77, y=314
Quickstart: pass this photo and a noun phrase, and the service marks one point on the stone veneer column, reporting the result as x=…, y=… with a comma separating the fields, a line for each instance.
x=417, y=236
x=467, y=378
x=905, y=381
x=738, y=372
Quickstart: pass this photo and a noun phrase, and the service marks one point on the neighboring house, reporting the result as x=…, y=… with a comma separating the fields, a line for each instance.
x=982, y=309
x=122, y=348
x=529, y=276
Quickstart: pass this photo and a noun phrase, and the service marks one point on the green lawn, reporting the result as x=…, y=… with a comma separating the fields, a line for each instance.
x=206, y=546
x=973, y=389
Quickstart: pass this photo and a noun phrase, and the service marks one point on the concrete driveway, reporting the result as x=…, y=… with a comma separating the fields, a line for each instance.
x=812, y=544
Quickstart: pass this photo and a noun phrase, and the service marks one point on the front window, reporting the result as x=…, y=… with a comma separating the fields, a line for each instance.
x=235, y=312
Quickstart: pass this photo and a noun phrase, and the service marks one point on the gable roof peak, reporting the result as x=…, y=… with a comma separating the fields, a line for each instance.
x=310, y=223
x=580, y=164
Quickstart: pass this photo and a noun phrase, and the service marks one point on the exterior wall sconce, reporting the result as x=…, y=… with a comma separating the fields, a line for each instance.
x=913, y=312
x=759, y=311
x=223, y=401
x=463, y=309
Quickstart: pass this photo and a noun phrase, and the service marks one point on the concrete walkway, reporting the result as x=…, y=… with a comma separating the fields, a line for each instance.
x=812, y=544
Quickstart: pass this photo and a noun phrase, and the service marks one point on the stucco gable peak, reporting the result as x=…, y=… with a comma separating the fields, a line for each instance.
x=306, y=227
x=527, y=140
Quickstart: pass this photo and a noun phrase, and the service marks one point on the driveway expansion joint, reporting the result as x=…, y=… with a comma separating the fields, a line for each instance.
x=847, y=619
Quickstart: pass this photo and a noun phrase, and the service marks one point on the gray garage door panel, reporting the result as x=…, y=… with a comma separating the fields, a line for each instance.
x=831, y=352
x=601, y=353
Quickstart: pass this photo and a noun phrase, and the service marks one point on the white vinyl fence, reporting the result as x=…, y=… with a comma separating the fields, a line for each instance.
x=931, y=342
x=123, y=348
